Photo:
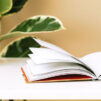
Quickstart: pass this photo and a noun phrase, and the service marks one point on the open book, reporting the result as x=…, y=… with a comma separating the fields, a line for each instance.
x=51, y=63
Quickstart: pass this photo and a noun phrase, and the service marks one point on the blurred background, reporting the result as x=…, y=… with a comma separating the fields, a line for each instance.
x=81, y=18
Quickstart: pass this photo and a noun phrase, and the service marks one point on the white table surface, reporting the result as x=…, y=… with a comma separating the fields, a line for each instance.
x=13, y=85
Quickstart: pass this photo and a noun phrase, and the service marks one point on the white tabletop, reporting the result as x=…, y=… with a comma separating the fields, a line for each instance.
x=13, y=85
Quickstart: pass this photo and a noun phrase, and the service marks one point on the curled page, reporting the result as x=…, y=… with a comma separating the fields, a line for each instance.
x=58, y=49
x=43, y=55
x=51, y=67
x=51, y=46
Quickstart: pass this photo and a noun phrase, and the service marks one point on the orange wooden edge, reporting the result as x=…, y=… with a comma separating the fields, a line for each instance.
x=24, y=75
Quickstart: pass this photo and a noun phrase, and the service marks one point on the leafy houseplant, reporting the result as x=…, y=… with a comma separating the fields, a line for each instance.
x=37, y=24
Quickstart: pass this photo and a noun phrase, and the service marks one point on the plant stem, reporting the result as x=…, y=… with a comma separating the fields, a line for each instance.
x=0, y=24
x=10, y=35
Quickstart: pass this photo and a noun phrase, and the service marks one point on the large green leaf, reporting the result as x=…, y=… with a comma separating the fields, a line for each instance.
x=20, y=48
x=17, y=6
x=5, y=6
x=36, y=24
x=39, y=24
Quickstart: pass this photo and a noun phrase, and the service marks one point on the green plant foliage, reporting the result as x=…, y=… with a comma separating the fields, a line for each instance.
x=20, y=48
x=5, y=6
x=17, y=6
x=37, y=24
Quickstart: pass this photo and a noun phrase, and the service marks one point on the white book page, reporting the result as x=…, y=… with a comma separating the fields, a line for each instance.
x=32, y=77
x=51, y=46
x=94, y=62
x=46, y=55
x=37, y=69
x=60, y=51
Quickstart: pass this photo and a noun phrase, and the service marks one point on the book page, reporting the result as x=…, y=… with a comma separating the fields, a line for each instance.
x=51, y=46
x=30, y=77
x=33, y=72
x=59, y=50
x=53, y=66
x=46, y=55
x=94, y=62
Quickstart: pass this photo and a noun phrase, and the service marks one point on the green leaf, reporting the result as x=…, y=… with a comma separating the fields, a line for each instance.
x=17, y=6
x=36, y=24
x=20, y=48
x=5, y=6
x=39, y=24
